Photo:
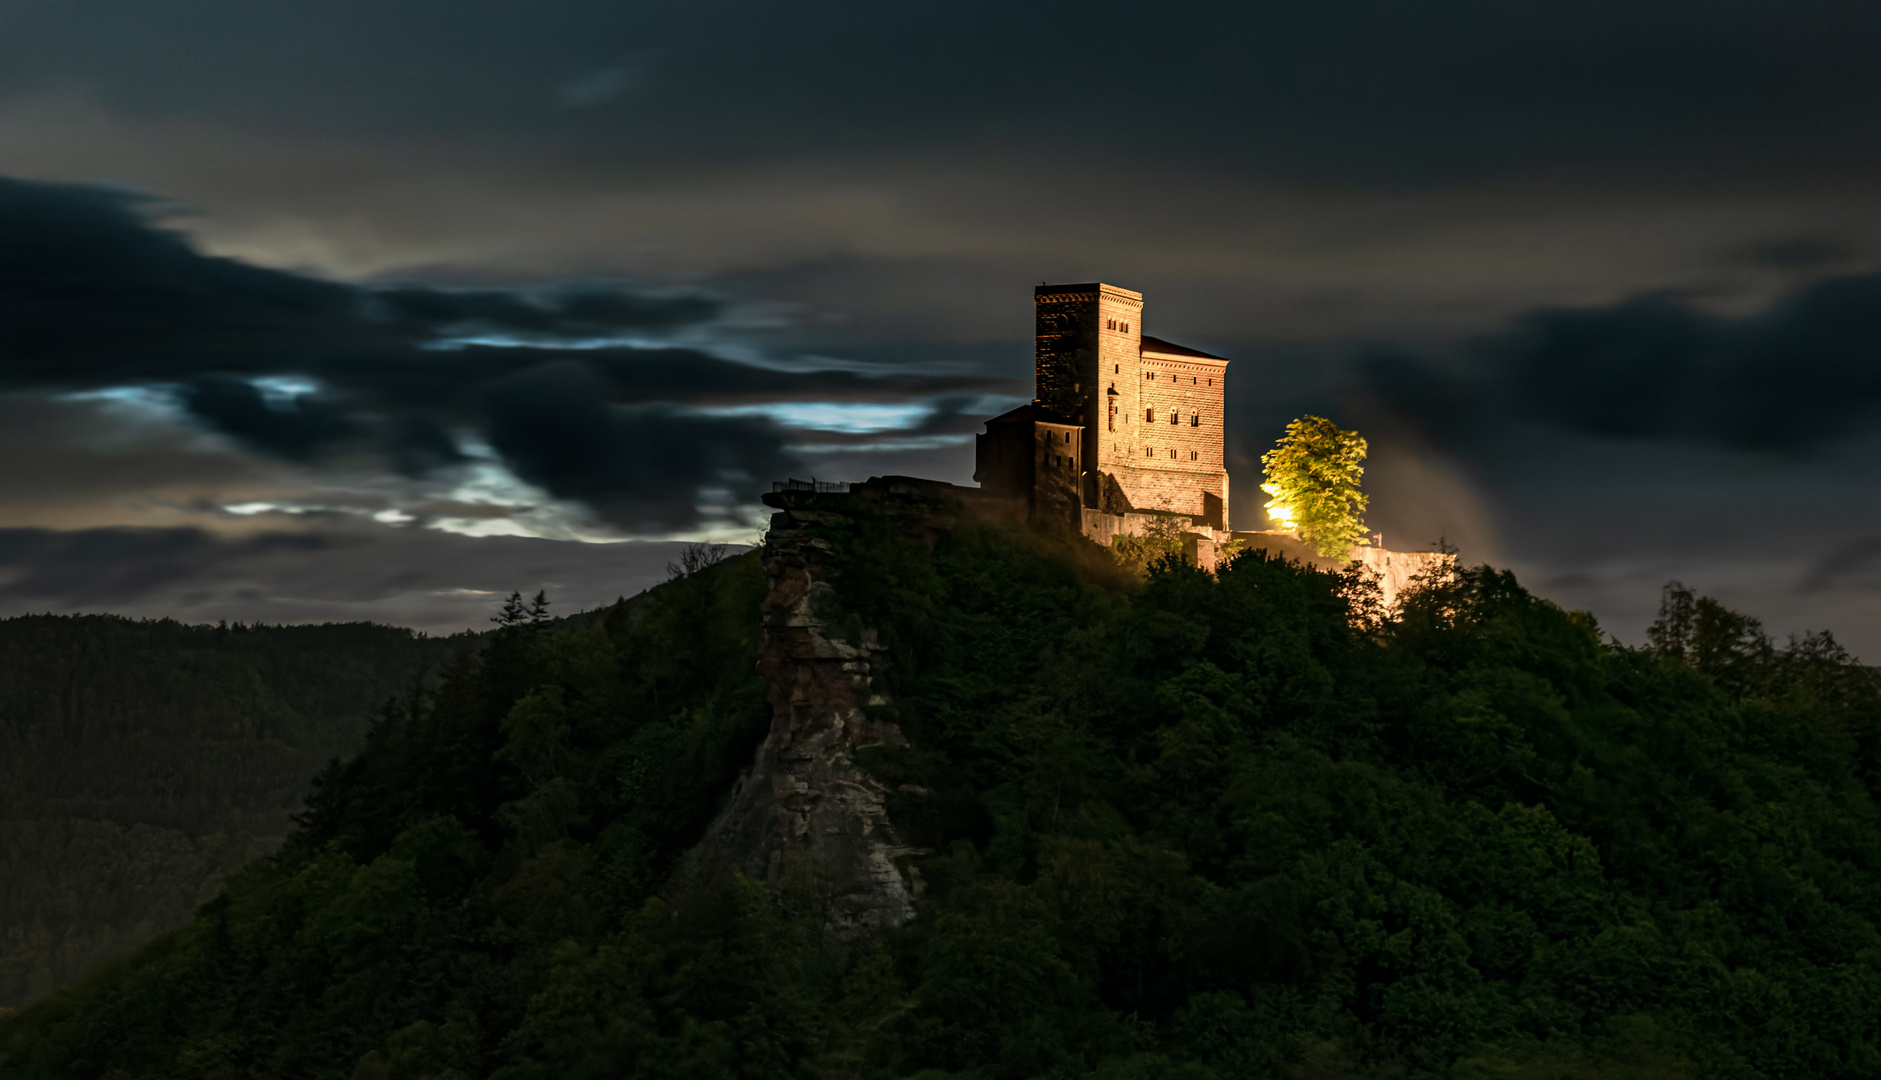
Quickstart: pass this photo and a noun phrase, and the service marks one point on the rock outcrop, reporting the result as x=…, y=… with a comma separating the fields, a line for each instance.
x=807, y=819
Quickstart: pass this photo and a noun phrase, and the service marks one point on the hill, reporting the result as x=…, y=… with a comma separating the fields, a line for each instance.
x=141, y=761
x=1191, y=826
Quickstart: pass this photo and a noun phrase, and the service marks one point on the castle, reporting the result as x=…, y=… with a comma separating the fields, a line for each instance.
x=1124, y=426
x=1125, y=437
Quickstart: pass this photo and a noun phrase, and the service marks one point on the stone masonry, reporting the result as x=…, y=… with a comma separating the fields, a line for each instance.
x=1149, y=413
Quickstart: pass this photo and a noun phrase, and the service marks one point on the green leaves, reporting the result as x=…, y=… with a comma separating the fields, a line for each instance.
x=1198, y=826
x=1313, y=476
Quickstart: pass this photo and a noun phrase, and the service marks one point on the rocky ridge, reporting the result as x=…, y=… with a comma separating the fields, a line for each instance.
x=808, y=820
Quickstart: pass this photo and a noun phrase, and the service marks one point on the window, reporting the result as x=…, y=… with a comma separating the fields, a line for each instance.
x=1195, y=455
x=1191, y=380
x=1172, y=455
x=1117, y=369
x=1110, y=324
x=1149, y=415
x=1195, y=419
x=1149, y=452
x=1126, y=328
x=1175, y=416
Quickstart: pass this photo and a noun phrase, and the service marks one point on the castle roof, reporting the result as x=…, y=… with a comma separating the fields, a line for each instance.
x=1030, y=414
x=1085, y=287
x=1170, y=348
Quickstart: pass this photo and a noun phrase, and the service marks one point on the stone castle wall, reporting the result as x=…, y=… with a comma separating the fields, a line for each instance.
x=1093, y=368
x=1176, y=460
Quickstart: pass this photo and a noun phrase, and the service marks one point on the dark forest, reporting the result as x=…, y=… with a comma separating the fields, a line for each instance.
x=1180, y=825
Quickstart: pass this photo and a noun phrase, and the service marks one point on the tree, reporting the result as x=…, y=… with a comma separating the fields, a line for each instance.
x=512, y=611
x=1313, y=475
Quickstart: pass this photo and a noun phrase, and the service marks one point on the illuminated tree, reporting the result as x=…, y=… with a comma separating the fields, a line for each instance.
x=1313, y=475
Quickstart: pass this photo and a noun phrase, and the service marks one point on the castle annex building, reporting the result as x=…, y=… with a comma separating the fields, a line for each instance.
x=1123, y=423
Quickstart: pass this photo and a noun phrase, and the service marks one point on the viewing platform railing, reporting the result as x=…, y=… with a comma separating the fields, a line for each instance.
x=812, y=484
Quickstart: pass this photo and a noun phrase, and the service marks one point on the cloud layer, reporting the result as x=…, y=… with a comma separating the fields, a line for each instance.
x=342, y=572
x=568, y=383
x=1789, y=380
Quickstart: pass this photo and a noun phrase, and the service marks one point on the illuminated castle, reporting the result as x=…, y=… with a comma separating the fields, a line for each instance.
x=1123, y=423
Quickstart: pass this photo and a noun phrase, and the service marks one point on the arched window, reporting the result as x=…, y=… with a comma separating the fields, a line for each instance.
x=1149, y=415
x=1195, y=419
x=1175, y=416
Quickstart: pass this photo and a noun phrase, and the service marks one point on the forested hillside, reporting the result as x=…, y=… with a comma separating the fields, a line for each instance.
x=141, y=761
x=1192, y=826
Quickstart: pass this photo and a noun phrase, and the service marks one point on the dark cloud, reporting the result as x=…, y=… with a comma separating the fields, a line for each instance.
x=1369, y=91
x=1809, y=252
x=1852, y=565
x=340, y=571
x=1789, y=380
x=92, y=294
x=113, y=566
x=574, y=310
x=297, y=429
x=555, y=428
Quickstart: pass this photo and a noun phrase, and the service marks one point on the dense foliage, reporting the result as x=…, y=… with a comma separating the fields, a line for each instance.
x=142, y=760
x=1198, y=826
x=1313, y=476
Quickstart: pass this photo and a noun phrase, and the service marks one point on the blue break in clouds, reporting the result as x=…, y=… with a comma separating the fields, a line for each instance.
x=283, y=390
x=856, y=418
x=96, y=297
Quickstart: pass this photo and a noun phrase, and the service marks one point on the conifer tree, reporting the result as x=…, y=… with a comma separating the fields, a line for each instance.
x=512, y=611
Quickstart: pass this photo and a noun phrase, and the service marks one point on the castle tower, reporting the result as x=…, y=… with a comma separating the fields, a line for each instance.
x=1087, y=360
x=1152, y=412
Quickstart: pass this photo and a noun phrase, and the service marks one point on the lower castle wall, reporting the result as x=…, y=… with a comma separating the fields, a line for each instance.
x=1395, y=570
x=1174, y=489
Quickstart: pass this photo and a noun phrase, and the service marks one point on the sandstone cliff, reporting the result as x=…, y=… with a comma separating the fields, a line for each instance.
x=808, y=820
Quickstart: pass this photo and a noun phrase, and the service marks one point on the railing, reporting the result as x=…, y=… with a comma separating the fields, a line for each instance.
x=812, y=484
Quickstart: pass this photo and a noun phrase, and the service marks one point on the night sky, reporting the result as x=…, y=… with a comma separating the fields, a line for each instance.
x=350, y=310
